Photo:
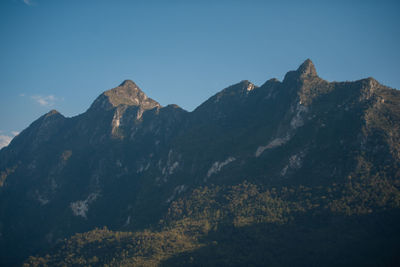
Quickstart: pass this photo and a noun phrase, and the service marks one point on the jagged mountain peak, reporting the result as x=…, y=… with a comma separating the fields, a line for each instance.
x=128, y=83
x=52, y=115
x=307, y=68
x=52, y=112
x=315, y=146
x=306, y=71
x=247, y=85
x=127, y=93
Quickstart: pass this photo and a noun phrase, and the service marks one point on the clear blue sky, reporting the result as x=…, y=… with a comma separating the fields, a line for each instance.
x=62, y=54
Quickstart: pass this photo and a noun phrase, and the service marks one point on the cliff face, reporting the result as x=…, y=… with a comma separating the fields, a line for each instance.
x=125, y=160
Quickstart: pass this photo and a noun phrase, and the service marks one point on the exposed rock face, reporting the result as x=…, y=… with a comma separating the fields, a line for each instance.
x=307, y=69
x=127, y=103
x=128, y=157
x=127, y=93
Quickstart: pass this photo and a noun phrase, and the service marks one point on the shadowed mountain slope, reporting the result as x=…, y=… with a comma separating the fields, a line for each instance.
x=268, y=155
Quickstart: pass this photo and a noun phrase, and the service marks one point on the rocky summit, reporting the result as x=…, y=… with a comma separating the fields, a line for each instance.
x=299, y=172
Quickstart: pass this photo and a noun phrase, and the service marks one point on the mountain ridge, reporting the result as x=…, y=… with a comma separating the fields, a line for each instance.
x=302, y=145
x=305, y=70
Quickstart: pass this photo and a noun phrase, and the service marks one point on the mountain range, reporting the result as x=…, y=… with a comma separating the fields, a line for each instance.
x=299, y=172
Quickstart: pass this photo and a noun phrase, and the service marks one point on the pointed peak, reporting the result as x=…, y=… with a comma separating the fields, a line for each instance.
x=127, y=93
x=307, y=68
x=52, y=113
x=51, y=116
x=128, y=83
x=304, y=71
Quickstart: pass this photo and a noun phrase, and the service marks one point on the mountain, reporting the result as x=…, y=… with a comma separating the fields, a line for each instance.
x=295, y=172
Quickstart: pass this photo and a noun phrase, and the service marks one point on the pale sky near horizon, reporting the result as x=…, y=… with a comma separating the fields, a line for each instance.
x=61, y=55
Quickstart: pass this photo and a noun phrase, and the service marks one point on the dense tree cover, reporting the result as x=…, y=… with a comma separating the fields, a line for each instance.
x=250, y=224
